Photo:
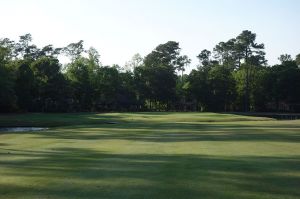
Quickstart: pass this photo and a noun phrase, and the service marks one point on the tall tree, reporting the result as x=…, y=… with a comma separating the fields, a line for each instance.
x=136, y=61
x=25, y=48
x=74, y=50
x=222, y=88
x=7, y=92
x=24, y=85
x=182, y=62
x=49, y=51
x=198, y=88
x=298, y=60
x=285, y=58
x=228, y=53
x=204, y=58
x=52, y=88
x=253, y=55
x=78, y=74
x=159, y=73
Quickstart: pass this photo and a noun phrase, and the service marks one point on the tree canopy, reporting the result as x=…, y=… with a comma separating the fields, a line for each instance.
x=233, y=76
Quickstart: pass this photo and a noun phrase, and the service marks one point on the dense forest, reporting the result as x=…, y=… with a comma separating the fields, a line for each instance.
x=234, y=76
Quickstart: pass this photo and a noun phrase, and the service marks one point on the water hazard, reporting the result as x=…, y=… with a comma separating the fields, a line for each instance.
x=21, y=129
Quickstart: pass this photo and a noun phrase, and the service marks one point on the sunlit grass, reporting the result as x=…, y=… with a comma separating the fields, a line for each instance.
x=150, y=155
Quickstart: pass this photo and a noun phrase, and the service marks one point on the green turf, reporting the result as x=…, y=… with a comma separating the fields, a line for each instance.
x=150, y=155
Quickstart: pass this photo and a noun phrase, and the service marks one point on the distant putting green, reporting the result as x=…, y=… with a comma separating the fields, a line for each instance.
x=150, y=155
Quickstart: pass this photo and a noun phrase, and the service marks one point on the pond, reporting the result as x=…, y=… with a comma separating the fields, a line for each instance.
x=21, y=129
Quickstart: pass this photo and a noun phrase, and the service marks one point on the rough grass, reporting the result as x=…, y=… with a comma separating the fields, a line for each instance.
x=150, y=155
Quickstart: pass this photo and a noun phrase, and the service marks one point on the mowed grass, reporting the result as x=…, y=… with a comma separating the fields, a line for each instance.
x=150, y=155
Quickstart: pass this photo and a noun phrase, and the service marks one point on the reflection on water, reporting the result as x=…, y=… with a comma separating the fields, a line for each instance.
x=21, y=129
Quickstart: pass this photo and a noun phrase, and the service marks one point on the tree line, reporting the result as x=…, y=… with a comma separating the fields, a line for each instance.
x=234, y=76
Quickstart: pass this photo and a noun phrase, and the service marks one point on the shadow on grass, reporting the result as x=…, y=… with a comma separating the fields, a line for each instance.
x=177, y=132
x=275, y=115
x=84, y=173
x=55, y=120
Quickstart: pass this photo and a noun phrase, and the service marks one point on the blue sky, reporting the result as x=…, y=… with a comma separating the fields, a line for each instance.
x=121, y=28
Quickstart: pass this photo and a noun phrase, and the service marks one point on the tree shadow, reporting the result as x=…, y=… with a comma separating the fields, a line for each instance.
x=59, y=120
x=85, y=173
x=55, y=119
x=273, y=115
x=177, y=132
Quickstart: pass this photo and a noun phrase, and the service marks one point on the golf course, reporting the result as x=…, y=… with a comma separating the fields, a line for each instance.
x=149, y=155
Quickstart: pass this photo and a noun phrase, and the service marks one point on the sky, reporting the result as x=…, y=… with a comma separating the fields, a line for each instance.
x=118, y=29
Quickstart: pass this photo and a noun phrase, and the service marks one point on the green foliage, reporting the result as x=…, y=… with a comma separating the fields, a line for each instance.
x=135, y=62
x=298, y=60
x=199, y=89
x=79, y=75
x=74, y=50
x=285, y=58
x=204, y=58
x=7, y=92
x=25, y=85
x=232, y=77
x=222, y=89
x=286, y=86
x=158, y=73
x=51, y=86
